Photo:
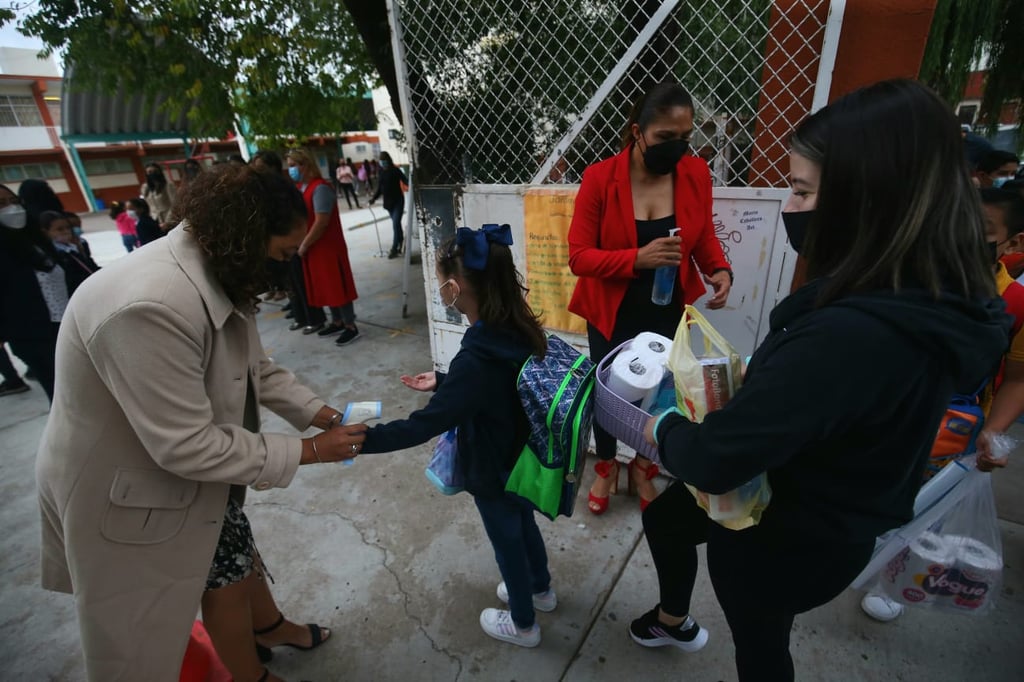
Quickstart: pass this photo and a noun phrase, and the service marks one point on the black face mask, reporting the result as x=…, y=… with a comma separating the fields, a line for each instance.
x=661, y=158
x=796, y=223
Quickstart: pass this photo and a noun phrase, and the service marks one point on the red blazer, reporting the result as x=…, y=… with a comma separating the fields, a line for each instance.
x=602, y=237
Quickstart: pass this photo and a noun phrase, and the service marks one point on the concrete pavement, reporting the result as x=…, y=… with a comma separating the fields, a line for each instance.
x=401, y=572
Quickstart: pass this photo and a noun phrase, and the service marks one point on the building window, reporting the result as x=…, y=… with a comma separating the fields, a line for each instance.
x=20, y=172
x=394, y=134
x=18, y=111
x=360, y=149
x=967, y=112
x=108, y=166
x=53, y=106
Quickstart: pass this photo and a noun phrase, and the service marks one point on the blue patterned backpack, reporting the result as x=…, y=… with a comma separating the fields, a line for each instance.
x=557, y=395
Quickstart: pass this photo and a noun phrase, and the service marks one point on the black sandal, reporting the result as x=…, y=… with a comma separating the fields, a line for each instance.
x=315, y=631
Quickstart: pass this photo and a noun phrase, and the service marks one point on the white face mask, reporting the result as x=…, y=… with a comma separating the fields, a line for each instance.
x=455, y=298
x=133, y=215
x=13, y=216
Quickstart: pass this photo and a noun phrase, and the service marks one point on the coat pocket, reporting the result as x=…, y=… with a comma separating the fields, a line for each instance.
x=147, y=506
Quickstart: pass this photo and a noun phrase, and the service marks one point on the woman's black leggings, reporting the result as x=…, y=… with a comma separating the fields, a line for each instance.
x=761, y=582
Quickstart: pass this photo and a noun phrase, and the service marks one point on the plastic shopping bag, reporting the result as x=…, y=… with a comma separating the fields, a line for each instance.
x=951, y=558
x=704, y=383
x=444, y=470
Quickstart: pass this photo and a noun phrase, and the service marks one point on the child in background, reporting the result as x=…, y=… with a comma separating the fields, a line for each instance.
x=75, y=221
x=146, y=227
x=77, y=266
x=477, y=277
x=1004, y=225
x=125, y=225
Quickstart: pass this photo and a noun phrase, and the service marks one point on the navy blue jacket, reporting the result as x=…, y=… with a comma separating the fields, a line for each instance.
x=479, y=396
x=840, y=406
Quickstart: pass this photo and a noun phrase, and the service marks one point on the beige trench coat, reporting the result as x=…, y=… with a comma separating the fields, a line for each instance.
x=142, y=445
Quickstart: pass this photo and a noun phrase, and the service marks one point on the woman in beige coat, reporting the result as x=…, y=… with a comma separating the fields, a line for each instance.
x=154, y=434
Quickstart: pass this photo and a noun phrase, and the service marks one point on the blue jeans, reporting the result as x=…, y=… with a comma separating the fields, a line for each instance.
x=396, y=224
x=130, y=241
x=519, y=551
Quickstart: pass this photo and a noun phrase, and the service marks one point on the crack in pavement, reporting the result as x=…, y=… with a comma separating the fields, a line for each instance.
x=406, y=599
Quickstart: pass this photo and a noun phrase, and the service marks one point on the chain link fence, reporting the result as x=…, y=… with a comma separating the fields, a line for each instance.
x=520, y=91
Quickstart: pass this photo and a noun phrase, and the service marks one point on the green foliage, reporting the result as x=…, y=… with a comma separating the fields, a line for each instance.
x=964, y=31
x=287, y=67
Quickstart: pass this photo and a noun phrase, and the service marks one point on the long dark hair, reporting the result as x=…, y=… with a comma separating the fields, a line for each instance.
x=896, y=206
x=28, y=245
x=653, y=103
x=37, y=196
x=233, y=211
x=158, y=184
x=499, y=290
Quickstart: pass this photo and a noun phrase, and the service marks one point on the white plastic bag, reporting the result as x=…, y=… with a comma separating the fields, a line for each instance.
x=703, y=384
x=957, y=564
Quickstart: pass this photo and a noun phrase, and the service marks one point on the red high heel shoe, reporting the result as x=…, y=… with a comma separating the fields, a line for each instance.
x=605, y=468
x=649, y=471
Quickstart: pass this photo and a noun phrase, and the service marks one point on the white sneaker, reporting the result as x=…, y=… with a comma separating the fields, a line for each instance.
x=880, y=607
x=498, y=624
x=545, y=601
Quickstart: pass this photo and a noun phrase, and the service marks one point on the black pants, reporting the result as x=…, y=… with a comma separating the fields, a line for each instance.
x=277, y=273
x=349, y=191
x=396, y=226
x=40, y=355
x=303, y=313
x=761, y=581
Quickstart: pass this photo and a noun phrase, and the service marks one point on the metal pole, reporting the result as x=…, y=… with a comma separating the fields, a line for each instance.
x=644, y=37
x=829, y=48
x=398, y=49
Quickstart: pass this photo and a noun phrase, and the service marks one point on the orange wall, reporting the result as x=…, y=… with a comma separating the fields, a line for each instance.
x=880, y=39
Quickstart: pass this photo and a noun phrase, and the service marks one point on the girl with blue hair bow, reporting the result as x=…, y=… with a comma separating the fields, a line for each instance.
x=477, y=277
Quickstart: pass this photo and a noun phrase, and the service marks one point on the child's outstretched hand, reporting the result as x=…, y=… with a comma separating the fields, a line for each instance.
x=421, y=382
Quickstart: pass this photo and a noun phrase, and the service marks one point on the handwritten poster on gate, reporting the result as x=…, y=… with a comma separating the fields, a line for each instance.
x=546, y=216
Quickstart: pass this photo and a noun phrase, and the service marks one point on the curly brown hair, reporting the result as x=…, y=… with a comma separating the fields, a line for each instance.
x=233, y=211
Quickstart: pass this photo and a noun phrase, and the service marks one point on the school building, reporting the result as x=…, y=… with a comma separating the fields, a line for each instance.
x=87, y=174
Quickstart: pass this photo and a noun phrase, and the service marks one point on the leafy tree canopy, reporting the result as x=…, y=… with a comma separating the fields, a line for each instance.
x=290, y=67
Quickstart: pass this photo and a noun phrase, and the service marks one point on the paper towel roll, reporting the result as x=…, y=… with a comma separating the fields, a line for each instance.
x=905, y=576
x=652, y=343
x=634, y=374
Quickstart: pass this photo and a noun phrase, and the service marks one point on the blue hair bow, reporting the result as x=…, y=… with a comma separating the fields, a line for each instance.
x=476, y=244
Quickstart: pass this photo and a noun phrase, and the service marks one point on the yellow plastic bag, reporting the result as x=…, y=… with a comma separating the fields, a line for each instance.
x=704, y=383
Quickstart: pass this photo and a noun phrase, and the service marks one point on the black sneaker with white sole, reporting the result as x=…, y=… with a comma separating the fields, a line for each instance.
x=348, y=335
x=648, y=631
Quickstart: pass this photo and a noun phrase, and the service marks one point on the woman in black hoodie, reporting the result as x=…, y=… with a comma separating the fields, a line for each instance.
x=842, y=400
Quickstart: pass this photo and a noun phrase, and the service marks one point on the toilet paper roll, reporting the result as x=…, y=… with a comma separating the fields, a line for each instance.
x=655, y=344
x=906, y=578
x=980, y=566
x=634, y=374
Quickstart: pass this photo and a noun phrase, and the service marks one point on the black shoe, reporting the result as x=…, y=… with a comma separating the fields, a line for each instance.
x=12, y=387
x=349, y=335
x=312, y=328
x=294, y=326
x=648, y=631
x=392, y=254
x=289, y=315
x=287, y=306
x=330, y=330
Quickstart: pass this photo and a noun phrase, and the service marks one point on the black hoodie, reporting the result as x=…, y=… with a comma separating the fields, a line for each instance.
x=479, y=396
x=840, y=406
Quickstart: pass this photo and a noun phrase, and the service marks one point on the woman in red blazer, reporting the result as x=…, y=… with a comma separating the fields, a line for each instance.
x=620, y=234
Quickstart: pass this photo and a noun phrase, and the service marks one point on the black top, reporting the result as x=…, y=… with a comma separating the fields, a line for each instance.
x=479, y=396
x=637, y=313
x=77, y=267
x=390, y=187
x=148, y=230
x=23, y=311
x=840, y=406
